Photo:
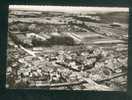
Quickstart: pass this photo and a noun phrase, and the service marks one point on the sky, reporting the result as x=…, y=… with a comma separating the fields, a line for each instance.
x=69, y=9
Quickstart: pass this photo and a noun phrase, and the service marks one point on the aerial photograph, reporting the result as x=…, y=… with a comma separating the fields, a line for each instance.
x=67, y=48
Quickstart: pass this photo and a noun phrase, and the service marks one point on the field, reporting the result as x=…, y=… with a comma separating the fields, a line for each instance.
x=67, y=51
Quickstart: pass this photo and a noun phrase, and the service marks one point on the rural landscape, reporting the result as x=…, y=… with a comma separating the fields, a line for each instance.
x=55, y=50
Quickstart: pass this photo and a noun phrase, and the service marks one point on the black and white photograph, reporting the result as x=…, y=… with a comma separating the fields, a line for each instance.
x=67, y=48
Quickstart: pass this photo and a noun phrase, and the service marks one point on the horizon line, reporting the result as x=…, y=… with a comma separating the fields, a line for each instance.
x=68, y=8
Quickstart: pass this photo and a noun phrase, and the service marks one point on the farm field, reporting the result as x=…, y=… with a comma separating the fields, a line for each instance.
x=67, y=51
